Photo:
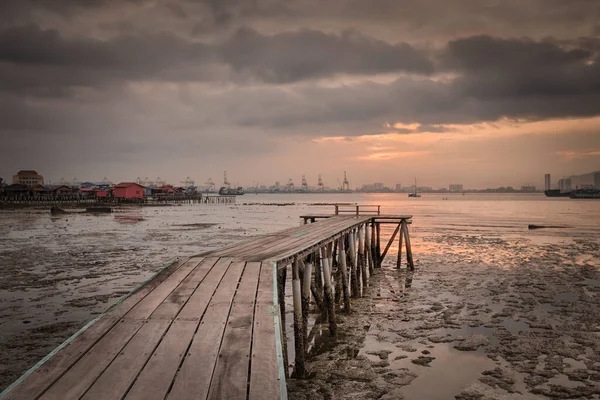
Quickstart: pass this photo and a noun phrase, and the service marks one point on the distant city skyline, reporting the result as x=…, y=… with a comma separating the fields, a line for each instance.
x=487, y=94
x=540, y=184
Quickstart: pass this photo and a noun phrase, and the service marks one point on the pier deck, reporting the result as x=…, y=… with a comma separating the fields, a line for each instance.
x=204, y=328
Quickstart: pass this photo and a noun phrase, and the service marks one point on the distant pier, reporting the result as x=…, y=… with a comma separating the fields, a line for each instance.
x=75, y=199
x=213, y=326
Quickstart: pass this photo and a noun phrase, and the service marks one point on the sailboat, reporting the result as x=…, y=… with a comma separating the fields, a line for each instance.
x=414, y=194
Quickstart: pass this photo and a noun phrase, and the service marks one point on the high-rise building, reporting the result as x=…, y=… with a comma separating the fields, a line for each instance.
x=456, y=187
x=547, y=182
x=564, y=184
x=398, y=187
x=378, y=185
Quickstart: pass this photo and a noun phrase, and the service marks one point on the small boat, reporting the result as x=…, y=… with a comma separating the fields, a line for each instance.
x=414, y=194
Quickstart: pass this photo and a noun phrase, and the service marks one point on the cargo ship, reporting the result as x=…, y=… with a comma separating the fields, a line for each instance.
x=585, y=194
x=556, y=193
x=225, y=191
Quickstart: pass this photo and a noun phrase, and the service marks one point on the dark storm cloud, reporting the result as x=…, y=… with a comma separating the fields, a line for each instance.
x=269, y=80
x=280, y=58
x=294, y=56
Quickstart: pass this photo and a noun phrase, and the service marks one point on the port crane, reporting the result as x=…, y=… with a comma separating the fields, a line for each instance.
x=188, y=182
x=290, y=185
x=210, y=185
x=304, y=183
x=346, y=184
x=320, y=185
x=225, y=181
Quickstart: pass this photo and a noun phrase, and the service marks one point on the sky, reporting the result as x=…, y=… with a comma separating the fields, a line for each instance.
x=486, y=93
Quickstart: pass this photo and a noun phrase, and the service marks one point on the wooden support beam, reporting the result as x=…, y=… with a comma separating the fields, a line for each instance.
x=325, y=258
x=362, y=267
x=319, y=295
x=378, y=244
x=306, y=275
x=368, y=259
x=281, y=277
x=373, y=246
x=298, y=322
x=409, y=256
x=391, y=241
x=344, y=273
x=399, y=261
x=352, y=261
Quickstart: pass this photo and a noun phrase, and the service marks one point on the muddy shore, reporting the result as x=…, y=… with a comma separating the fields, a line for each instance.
x=481, y=318
x=493, y=311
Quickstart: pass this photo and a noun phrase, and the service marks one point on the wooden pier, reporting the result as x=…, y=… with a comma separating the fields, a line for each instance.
x=213, y=326
x=93, y=200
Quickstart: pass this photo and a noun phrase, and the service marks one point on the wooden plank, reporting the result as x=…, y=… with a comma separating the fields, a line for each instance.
x=299, y=233
x=264, y=372
x=230, y=378
x=74, y=383
x=37, y=383
x=150, y=303
x=177, y=299
x=278, y=253
x=193, y=379
x=156, y=377
x=197, y=303
x=120, y=374
x=329, y=228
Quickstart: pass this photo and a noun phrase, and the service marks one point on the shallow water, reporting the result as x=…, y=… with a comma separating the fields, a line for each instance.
x=56, y=273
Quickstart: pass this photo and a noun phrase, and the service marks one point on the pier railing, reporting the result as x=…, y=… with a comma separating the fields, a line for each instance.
x=357, y=209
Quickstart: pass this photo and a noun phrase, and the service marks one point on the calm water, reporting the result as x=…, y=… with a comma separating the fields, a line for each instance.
x=57, y=273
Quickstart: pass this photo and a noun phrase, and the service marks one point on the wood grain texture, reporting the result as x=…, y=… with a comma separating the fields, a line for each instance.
x=193, y=379
x=264, y=374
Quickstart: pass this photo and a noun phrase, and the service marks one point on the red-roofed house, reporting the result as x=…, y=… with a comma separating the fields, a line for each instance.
x=128, y=190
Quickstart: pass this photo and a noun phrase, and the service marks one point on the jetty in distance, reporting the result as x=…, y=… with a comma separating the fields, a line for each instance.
x=211, y=326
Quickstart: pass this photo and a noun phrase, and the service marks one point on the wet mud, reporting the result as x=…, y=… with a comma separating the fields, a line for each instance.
x=482, y=317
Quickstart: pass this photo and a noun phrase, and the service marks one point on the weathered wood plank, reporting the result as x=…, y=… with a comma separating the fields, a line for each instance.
x=193, y=379
x=43, y=377
x=287, y=248
x=148, y=305
x=156, y=377
x=78, y=379
x=177, y=299
x=230, y=378
x=196, y=305
x=120, y=374
x=264, y=372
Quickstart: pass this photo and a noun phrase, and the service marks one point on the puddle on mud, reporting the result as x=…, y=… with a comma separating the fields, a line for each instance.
x=448, y=374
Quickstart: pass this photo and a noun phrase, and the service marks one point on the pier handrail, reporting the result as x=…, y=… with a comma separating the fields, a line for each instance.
x=367, y=209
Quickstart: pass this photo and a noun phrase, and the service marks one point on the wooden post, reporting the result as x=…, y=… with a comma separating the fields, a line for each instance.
x=344, y=271
x=409, y=256
x=325, y=257
x=352, y=261
x=298, y=323
x=399, y=262
x=306, y=300
x=378, y=225
x=368, y=259
x=281, y=276
x=373, y=248
x=319, y=286
x=387, y=247
x=361, y=257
